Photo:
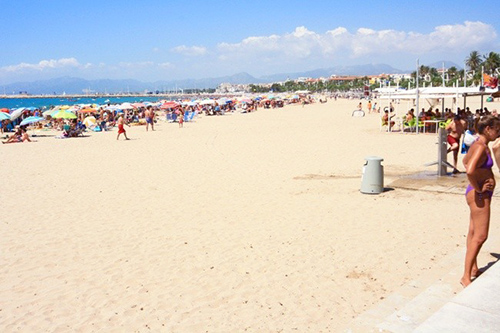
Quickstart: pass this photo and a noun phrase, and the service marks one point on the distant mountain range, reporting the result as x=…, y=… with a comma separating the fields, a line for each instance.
x=71, y=85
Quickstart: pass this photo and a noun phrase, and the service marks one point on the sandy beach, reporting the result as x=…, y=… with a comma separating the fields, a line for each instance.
x=242, y=222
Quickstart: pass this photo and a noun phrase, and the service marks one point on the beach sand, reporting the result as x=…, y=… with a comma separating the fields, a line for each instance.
x=237, y=222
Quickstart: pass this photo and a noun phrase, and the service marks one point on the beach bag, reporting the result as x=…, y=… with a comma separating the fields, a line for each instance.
x=469, y=138
x=97, y=129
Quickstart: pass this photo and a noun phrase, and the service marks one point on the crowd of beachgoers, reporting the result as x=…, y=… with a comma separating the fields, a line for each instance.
x=74, y=120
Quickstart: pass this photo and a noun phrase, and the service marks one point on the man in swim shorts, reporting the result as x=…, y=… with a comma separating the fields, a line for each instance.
x=150, y=116
x=455, y=130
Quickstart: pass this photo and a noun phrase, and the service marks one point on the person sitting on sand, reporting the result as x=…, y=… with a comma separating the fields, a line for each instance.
x=20, y=135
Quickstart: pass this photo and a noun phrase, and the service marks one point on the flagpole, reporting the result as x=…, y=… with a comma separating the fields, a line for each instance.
x=417, y=105
x=482, y=87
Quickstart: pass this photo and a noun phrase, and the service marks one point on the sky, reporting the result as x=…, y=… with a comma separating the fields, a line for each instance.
x=153, y=40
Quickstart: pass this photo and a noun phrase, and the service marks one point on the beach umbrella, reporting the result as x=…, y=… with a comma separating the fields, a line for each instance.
x=64, y=115
x=89, y=121
x=87, y=110
x=112, y=107
x=4, y=110
x=138, y=105
x=16, y=113
x=4, y=116
x=207, y=101
x=126, y=106
x=169, y=105
x=47, y=113
x=30, y=120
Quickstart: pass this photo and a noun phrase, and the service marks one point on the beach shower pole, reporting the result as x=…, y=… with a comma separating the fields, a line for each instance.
x=417, y=106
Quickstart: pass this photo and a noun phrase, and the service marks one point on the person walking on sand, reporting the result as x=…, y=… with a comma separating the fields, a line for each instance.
x=150, y=117
x=369, y=106
x=121, y=129
x=478, y=164
x=455, y=129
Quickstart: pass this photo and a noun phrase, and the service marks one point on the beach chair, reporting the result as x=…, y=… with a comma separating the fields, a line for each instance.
x=410, y=125
x=174, y=117
x=192, y=115
x=443, y=124
x=186, y=116
x=169, y=117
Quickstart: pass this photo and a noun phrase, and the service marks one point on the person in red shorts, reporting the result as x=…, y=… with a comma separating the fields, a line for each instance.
x=121, y=129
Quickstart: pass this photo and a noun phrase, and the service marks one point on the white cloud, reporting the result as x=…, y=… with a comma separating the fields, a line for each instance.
x=165, y=65
x=341, y=43
x=135, y=65
x=190, y=50
x=44, y=65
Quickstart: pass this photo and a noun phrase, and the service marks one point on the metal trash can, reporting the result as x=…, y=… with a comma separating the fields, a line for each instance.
x=372, y=179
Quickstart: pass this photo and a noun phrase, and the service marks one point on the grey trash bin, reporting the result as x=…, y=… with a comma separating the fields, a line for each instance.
x=372, y=179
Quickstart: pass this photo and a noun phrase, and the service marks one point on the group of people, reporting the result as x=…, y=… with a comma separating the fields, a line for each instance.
x=20, y=135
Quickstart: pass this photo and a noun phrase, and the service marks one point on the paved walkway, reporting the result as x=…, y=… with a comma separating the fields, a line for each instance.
x=475, y=309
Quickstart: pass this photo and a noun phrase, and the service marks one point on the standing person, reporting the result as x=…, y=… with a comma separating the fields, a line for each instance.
x=150, y=116
x=478, y=163
x=181, y=118
x=375, y=107
x=455, y=131
x=369, y=106
x=121, y=129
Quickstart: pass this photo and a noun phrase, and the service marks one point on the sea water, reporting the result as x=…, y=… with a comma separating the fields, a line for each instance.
x=46, y=103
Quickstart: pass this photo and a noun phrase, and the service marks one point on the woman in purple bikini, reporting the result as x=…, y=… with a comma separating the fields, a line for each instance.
x=478, y=163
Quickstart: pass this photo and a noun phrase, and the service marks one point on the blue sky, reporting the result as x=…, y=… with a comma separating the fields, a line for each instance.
x=162, y=40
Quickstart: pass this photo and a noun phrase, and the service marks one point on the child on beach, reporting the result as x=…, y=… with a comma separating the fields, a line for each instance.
x=181, y=118
x=121, y=129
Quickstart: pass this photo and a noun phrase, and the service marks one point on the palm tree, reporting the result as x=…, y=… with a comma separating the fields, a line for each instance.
x=452, y=73
x=491, y=62
x=474, y=61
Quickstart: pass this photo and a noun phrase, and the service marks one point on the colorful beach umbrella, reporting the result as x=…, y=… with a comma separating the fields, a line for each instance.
x=64, y=115
x=4, y=110
x=89, y=121
x=87, y=110
x=169, y=105
x=4, y=116
x=30, y=120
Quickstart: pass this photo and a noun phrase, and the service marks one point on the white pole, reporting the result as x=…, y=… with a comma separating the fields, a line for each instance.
x=443, y=74
x=465, y=75
x=418, y=107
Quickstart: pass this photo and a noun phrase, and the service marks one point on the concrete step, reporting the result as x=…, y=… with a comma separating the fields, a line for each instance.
x=415, y=301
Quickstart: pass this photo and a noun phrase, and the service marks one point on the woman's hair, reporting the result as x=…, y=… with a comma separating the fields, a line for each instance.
x=486, y=121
